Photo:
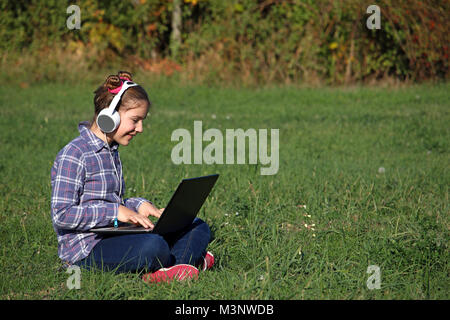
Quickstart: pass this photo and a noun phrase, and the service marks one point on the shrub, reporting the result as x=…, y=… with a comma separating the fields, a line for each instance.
x=250, y=41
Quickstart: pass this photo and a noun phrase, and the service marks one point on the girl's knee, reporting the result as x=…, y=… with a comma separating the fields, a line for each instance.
x=156, y=250
x=202, y=226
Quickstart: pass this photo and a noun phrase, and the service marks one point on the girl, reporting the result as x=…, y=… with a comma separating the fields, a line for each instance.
x=87, y=192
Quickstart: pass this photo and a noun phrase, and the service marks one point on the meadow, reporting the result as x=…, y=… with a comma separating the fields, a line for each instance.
x=363, y=180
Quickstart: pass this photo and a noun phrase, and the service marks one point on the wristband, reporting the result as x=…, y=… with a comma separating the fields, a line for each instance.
x=116, y=223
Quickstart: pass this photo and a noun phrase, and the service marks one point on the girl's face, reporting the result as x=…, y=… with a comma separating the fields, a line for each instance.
x=131, y=121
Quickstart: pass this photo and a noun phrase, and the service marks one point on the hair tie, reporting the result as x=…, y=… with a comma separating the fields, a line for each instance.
x=116, y=90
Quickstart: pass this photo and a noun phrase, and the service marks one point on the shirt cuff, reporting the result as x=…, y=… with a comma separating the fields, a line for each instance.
x=112, y=212
x=135, y=203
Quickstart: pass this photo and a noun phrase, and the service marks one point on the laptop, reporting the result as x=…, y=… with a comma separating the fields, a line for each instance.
x=179, y=213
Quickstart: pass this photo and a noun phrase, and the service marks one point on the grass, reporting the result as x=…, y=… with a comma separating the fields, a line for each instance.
x=333, y=143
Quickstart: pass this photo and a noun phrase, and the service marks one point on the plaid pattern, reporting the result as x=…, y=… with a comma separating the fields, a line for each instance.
x=85, y=193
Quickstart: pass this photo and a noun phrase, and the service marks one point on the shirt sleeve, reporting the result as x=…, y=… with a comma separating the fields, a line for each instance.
x=134, y=203
x=68, y=173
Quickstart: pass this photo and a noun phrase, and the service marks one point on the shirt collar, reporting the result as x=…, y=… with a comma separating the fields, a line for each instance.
x=92, y=140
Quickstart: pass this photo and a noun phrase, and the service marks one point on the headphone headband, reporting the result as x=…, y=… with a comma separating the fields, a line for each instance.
x=118, y=96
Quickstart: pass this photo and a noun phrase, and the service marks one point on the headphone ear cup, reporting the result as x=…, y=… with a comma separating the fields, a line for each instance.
x=107, y=121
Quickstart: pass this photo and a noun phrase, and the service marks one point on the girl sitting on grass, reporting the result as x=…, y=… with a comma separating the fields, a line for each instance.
x=87, y=192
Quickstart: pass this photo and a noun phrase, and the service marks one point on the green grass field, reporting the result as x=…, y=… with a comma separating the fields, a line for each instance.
x=333, y=143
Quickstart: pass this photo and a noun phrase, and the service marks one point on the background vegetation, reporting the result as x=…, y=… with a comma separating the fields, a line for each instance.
x=245, y=41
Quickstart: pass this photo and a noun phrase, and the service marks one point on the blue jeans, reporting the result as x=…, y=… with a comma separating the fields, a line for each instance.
x=148, y=251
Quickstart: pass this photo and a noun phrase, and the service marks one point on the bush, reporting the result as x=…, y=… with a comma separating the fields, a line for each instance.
x=251, y=41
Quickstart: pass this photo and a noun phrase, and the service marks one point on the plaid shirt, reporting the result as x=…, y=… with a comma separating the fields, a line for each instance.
x=85, y=193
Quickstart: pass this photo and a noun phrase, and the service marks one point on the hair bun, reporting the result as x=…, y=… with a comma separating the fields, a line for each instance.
x=112, y=82
x=125, y=74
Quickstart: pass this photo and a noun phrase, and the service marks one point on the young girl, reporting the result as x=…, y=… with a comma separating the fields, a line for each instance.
x=87, y=192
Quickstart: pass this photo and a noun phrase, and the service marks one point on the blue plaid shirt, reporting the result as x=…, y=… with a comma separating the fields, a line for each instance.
x=85, y=193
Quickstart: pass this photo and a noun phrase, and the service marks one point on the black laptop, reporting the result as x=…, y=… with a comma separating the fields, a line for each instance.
x=179, y=212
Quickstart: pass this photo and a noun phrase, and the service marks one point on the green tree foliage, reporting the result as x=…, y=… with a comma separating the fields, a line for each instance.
x=254, y=41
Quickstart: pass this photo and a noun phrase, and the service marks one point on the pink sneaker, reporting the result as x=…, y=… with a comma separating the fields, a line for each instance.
x=178, y=272
x=208, y=261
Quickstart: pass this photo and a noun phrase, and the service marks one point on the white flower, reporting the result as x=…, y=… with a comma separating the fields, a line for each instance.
x=237, y=213
x=381, y=170
x=213, y=116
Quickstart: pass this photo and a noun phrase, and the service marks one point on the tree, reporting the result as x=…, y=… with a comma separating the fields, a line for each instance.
x=175, y=36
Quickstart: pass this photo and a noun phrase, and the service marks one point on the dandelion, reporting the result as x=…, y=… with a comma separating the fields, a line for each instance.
x=381, y=170
x=333, y=45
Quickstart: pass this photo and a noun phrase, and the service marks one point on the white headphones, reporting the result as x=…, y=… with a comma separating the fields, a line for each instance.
x=109, y=119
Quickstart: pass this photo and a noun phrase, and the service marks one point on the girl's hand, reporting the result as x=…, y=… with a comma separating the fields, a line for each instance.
x=147, y=209
x=128, y=215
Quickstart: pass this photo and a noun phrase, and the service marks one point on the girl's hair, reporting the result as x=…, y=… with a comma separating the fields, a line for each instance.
x=103, y=97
